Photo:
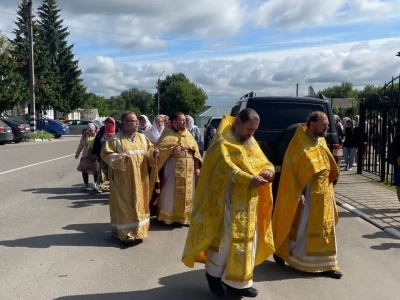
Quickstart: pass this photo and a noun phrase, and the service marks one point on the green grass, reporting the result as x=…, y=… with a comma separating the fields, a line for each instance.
x=40, y=135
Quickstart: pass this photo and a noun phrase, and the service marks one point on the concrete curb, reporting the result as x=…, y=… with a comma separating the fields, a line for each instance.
x=381, y=225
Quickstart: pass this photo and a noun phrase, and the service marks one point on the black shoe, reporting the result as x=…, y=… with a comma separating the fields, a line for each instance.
x=214, y=283
x=333, y=274
x=247, y=292
x=279, y=260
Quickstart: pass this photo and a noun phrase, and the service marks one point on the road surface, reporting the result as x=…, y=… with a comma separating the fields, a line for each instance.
x=55, y=243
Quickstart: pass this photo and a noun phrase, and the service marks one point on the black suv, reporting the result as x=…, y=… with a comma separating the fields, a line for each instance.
x=279, y=117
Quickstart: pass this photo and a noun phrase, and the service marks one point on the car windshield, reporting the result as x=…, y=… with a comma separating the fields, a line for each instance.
x=278, y=115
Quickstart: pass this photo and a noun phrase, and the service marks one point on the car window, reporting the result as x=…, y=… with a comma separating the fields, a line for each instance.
x=236, y=109
x=215, y=122
x=280, y=115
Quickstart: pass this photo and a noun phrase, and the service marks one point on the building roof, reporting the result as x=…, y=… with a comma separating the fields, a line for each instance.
x=216, y=111
x=343, y=102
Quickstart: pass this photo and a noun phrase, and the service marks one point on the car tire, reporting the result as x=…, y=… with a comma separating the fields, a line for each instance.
x=2, y=143
x=18, y=141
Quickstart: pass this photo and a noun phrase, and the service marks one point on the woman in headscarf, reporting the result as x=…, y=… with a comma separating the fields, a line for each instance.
x=87, y=164
x=144, y=123
x=195, y=131
x=157, y=129
x=109, y=128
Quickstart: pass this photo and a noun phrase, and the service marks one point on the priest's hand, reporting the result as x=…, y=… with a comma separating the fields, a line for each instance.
x=257, y=181
x=156, y=152
x=197, y=172
x=267, y=175
x=302, y=201
x=178, y=149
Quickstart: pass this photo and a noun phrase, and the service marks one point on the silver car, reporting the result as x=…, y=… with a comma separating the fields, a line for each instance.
x=79, y=126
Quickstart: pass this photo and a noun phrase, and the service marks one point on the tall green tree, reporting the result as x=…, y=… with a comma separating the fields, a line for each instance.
x=344, y=90
x=10, y=83
x=64, y=76
x=141, y=99
x=20, y=47
x=178, y=93
x=99, y=102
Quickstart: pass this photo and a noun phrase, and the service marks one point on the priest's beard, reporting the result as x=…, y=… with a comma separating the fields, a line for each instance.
x=245, y=140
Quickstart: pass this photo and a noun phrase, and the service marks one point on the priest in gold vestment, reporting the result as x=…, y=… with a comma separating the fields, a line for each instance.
x=230, y=228
x=179, y=162
x=129, y=154
x=305, y=213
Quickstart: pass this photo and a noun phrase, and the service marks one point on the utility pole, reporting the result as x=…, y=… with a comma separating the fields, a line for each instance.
x=32, y=109
x=158, y=93
x=297, y=85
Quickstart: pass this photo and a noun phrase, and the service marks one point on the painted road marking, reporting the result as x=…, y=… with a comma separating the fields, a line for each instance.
x=39, y=163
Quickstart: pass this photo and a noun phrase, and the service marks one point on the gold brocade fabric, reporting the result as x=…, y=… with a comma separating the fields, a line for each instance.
x=228, y=164
x=306, y=162
x=185, y=163
x=129, y=184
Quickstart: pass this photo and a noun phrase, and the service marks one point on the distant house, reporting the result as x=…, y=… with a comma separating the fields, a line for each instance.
x=341, y=103
x=213, y=111
x=78, y=114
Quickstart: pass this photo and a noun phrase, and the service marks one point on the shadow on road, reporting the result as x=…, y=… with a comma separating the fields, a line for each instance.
x=81, y=198
x=270, y=271
x=383, y=246
x=189, y=285
x=89, y=235
x=346, y=214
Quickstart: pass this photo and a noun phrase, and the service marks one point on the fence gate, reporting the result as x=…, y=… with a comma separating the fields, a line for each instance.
x=379, y=121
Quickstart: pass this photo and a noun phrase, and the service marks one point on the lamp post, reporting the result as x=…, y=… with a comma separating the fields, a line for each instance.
x=158, y=93
x=297, y=85
x=398, y=54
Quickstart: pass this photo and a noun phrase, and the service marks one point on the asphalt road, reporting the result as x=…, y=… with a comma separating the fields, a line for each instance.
x=55, y=243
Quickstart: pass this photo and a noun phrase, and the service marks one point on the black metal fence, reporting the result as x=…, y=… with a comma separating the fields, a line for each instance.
x=379, y=121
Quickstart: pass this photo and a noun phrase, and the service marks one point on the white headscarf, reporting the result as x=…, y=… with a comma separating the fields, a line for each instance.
x=147, y=122
x=154, y=130
x=190, y=122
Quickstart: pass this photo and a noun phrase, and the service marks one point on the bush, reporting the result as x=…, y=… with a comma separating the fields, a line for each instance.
x=41, y=135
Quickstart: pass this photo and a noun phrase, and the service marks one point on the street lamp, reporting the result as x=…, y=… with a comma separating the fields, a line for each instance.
x=297, y=85
x=158, y=93
x=398, y=54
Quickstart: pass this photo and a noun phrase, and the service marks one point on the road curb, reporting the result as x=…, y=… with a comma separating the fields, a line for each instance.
x=381, y=225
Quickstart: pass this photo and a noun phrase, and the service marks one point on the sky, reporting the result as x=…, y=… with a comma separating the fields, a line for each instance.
x=229, y=47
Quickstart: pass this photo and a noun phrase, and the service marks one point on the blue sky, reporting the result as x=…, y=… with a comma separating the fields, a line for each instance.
x=230, y=47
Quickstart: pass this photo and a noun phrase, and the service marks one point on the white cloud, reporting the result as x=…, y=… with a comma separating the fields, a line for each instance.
x=271, y=73
x=135, y=41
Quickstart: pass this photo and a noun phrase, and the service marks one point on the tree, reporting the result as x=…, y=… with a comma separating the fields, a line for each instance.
x=335, y=110
x=344, y=90
x=10, y=89
x=99, y=102
x=351, y=112
x=368, y=91
x=178, y=93
x=20, y=48
x=140, y=100
x=63, y=80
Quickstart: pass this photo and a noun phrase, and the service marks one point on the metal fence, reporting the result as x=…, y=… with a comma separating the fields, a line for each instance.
x=379, y=122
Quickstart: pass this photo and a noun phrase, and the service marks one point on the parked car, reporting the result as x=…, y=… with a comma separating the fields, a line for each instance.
x=279, y=117
x=52, y=126
x=6, y=134
x=19, y=130
x=79, y=126
x=213, y=122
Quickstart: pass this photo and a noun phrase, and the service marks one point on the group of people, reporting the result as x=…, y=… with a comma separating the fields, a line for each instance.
x=226, y=197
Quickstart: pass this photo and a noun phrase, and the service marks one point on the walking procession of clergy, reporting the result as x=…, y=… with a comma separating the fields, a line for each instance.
x=226, y=197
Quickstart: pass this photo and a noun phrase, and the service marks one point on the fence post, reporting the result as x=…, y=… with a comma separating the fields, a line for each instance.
x=361, y=126
x=384, y=136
